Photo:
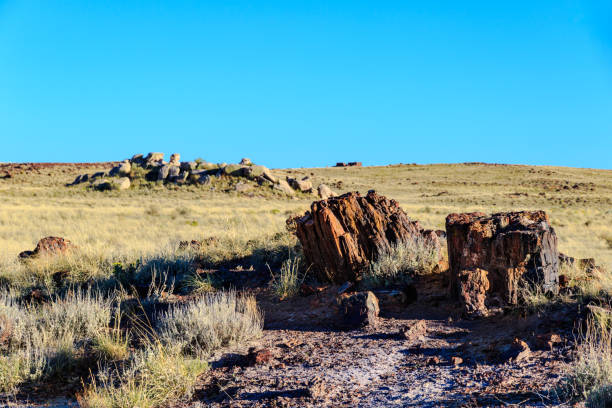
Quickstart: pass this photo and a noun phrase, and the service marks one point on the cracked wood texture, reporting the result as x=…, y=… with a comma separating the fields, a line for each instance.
x=512, y=247
x=340, y=236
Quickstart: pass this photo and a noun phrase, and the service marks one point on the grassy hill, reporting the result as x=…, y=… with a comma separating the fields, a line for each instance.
x=34, y=203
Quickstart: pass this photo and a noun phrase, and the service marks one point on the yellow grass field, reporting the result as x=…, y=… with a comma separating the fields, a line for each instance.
x=138, y=222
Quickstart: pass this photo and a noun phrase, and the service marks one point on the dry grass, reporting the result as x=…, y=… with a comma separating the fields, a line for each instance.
x=211, y=322
x=402, y=262
x=137, y=223
x=589, y=376
x=287, y=281
x=155, y=377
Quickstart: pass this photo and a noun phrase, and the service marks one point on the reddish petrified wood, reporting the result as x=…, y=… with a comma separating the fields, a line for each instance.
x=512, y=248
x=49, y=246
x=340, y=236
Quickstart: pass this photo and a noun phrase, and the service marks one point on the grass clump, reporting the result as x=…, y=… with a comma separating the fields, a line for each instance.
x=398, y=264
x=199, y=285
x=155, y=377
x=589, y=376
x=213, y=321
x=286, y=283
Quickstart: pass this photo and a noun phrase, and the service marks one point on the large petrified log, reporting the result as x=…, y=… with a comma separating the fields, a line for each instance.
x=506, y=249
x=342, y=235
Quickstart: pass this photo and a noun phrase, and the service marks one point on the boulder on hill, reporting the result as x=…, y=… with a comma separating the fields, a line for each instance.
x=154, y=159
x=235, y=170
x=283, y=186
x=246, y=162
x=304, y=185
x=173, y=173
x=189, y=166
x=163, y=172
x=175, y=159
x=125, y=169
x=122, y=183
x=325, y=192
x=340, y=236
x=49, y=246
x=497, y=254
x=137, y=158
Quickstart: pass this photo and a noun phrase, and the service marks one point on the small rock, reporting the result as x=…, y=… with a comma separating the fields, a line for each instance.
x=473, y=287
x=359, y=309
x=516, y=351
x=413, y=332
x=246, y=162
x=175, y=159
x=547, y=341
x=456, y=361
x=258, y=356
x=435, y=360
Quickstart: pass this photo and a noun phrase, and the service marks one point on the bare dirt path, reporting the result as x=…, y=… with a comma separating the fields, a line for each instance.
x=312, y=364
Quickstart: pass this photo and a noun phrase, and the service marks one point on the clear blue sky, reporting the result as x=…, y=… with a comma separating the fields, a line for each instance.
x=308, y=83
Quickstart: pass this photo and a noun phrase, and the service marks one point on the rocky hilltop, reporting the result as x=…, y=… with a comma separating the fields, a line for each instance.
x=245, y=176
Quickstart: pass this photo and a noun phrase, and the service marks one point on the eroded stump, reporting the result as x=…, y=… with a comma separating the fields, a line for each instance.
x=340, y=236
x=508, y=248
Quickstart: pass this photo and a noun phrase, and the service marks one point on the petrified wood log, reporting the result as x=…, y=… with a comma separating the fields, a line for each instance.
x=513, y=248
x=342, y=235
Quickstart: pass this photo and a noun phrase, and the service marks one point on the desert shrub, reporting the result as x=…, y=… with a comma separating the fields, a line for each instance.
x=400, y=263
x=81, y=314
x=154, y=377
x=600, y=397
x=590, y=374
x=20, y=366
x=15, y=323
x=213, y=321
x=286, y=282
x=198, y=285
x=54, y=272
x=112, y=344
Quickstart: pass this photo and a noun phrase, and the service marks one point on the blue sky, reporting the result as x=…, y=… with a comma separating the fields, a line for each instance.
x=308, y=83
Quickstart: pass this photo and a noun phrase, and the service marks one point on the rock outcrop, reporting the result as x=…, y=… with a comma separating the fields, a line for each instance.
x=494, y=255
x=49, y=246
x=152, y=168
x=340, y=236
